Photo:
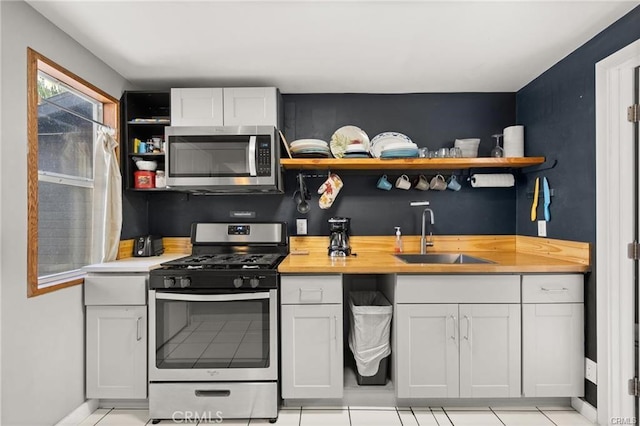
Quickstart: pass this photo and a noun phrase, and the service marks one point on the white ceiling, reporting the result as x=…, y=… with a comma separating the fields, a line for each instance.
x=334, y=46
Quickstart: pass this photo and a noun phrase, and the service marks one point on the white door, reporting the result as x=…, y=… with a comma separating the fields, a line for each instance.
x=427, y=351
x=196, y=107
x=312, y=365
x=116, y=352
x=553, y=349
x=490, y=350
x=253, y=106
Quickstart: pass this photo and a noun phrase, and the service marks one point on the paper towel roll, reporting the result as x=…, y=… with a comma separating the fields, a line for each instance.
x=513, y=141
x=492, y=180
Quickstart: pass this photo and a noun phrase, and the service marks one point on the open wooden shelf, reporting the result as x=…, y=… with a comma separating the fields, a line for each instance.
x=408, y=163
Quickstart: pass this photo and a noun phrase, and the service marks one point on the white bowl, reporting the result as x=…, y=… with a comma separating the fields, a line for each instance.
x=469, y=147
x=147, y=165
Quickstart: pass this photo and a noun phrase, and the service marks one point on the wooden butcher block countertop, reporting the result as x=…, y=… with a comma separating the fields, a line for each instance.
x=510, y=254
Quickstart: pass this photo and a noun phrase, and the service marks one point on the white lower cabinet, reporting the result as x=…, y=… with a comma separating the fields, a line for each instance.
x=116, y=352
x=553, y=336
x=457, y=336
x=311, y=337
x=451, y=350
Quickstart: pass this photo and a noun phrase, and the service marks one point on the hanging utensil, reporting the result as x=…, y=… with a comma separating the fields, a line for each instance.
x=303, y=207
x=547, y=198
x=534, y=205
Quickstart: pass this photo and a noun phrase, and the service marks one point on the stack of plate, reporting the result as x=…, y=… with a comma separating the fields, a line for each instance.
x=349, y=138
x=310, y=148
x=393, y=145
x=356, y=150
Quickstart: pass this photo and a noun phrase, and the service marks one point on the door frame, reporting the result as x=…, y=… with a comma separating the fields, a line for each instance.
x=614, y=230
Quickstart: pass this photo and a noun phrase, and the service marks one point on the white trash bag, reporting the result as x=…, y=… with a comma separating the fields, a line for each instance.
x=370, y=328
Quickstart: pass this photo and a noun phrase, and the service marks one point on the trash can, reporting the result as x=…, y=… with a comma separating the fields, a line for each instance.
x=369, y=335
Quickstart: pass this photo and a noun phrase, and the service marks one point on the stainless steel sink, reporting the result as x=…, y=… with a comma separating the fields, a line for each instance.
x=441, y=258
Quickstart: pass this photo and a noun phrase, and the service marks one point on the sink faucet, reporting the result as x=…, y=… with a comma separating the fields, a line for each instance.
x=424, y=243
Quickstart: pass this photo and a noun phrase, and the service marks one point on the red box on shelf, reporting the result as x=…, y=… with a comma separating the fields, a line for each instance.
x=144, y=179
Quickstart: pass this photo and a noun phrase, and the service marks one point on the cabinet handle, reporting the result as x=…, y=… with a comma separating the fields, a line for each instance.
x=468, y=336
x=554, y=290
x=335, y=329
x=138, y=330
x=455, y=326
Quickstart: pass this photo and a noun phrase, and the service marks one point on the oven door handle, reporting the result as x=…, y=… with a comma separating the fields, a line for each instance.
x=212, y=297
x=252, y=156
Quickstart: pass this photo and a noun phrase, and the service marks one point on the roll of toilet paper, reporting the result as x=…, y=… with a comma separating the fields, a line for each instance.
x=492, y=180
x=513, y=141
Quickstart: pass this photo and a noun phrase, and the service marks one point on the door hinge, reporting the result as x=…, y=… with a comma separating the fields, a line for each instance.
x=633, y=387
x=633, y=250
x=633, y=113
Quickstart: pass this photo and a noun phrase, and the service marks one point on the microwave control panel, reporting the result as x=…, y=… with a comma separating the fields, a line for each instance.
x=264, y=158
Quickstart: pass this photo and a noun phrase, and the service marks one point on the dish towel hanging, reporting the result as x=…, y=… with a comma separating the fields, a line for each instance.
x=492, y=180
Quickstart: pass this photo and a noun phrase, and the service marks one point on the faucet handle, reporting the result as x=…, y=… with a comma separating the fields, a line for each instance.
x=429, y=241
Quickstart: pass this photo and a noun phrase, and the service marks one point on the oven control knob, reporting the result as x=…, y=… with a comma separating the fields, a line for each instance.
x=169, y=282
x=253, y=282
x=237, y=282
x=185, y=282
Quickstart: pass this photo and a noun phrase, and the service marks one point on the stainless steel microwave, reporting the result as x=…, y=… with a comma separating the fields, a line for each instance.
x=223, y=159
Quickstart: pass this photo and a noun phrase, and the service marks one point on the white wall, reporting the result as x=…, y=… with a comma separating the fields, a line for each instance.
x=42, y=338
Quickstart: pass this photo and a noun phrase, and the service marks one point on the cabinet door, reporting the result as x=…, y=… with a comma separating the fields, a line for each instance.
x=427, y=351
x=116, y=352
x=312, y=365
x=253, y=106
x=553, y=349
x=196, y=107
x=490, y=351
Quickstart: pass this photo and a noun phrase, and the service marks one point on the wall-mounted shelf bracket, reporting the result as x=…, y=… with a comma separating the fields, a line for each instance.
x=547, y=165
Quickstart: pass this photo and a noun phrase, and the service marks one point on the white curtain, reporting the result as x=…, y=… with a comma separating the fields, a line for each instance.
x=107, y=197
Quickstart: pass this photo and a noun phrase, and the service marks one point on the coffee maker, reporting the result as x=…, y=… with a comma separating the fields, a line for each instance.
x=339, y=237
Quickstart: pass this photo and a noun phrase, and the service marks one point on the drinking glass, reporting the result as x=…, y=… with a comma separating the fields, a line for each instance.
x=497, y=151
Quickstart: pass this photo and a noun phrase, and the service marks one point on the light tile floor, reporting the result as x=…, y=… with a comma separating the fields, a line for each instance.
x=373, y=416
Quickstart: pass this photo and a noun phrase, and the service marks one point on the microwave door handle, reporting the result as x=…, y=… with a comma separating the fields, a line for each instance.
x=212, y=297
x=252, y=156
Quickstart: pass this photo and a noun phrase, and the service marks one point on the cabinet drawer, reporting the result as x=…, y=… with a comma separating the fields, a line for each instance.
x=213, y=401
x=458, y=289
x=310, y=289
x=553, y=288
x=114, y=289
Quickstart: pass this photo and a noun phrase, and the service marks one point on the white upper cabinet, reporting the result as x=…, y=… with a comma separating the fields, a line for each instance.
x=250, y=106
x=235, y=106
x=196, y=107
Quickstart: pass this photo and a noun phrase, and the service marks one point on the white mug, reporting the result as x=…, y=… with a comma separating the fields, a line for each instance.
x=403, y=182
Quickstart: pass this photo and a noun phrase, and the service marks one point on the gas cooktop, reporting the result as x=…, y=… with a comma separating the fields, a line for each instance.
x=227, y=261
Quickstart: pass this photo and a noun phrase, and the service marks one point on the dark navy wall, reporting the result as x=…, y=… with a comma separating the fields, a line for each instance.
x=432, y=120
x=558, y=112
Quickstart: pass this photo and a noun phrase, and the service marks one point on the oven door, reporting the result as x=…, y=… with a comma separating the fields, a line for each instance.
x=213, y=337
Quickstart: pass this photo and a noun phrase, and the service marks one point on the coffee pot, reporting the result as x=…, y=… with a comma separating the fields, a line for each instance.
x=339, y=237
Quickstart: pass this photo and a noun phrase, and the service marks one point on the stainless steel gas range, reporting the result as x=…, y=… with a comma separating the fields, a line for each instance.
x=213, y=325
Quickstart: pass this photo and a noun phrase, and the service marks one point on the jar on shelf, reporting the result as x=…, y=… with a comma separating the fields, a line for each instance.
x=160, y=179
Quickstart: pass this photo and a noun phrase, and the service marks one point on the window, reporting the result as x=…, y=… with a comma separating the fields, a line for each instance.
x=64, y=113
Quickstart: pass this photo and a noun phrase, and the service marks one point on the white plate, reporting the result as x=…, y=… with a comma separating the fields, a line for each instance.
x=382, y=139
x=355, y=147
x=307, y=141
x=308, y=145
x=391, y=144
x=346, y=136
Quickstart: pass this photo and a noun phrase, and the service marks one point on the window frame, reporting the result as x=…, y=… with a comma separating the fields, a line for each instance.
x=111, y=106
